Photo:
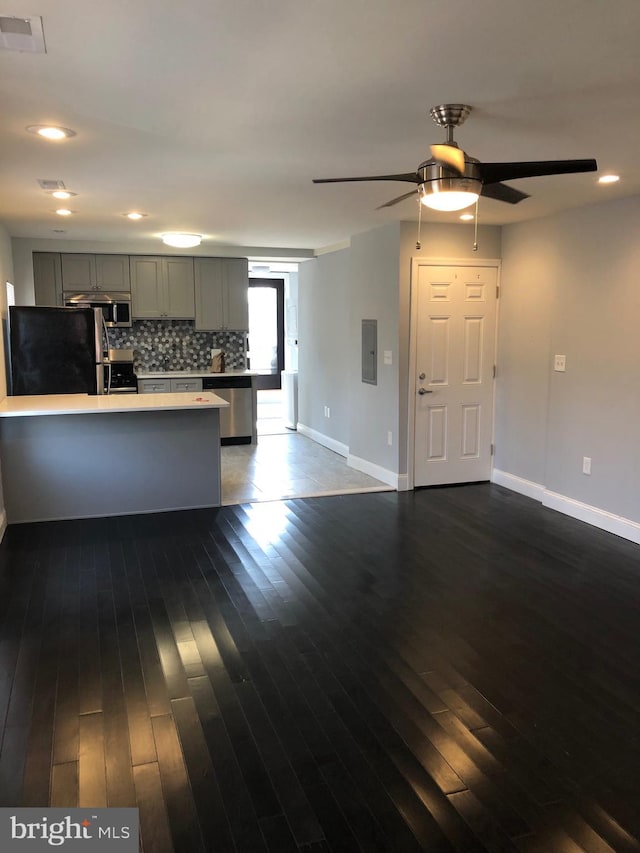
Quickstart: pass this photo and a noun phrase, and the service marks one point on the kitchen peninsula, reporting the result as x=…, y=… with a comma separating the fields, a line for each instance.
x=80, y=456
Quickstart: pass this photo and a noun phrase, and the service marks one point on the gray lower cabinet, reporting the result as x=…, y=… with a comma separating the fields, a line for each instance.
x=47, y=278
x=186, y=385
x=167, y=384
x=154, y=386
x=221, y=294
x=162, y=287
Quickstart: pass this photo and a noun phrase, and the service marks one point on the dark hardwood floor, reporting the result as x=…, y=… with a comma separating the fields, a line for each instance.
x=451, y=669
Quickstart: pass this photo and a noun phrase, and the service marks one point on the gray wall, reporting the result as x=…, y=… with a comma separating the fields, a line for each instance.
x=374, y=293
x=323, y=349
x=570, y=287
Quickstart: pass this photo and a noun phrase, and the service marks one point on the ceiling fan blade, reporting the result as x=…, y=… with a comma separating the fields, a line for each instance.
x=492, y=173
x=450, y=156
x=411, y=177
x=501, y=192
x=398, y=199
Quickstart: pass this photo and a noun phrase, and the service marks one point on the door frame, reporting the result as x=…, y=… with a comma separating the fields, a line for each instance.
x=417, y=261
x=274, y=380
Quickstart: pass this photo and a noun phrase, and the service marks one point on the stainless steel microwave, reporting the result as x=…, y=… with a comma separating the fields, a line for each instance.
x=115, y=307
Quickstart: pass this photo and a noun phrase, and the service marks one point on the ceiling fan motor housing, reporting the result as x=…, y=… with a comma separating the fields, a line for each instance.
x=438, y=178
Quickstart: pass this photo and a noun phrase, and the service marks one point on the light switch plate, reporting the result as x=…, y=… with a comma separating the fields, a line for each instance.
x=560, y=363
x=387, y=356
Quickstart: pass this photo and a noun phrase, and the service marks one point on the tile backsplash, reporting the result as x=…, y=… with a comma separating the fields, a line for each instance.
x=175, y=345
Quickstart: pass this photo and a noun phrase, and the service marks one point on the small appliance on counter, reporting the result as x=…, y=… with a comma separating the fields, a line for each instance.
x=123, y=378
x=56, y=350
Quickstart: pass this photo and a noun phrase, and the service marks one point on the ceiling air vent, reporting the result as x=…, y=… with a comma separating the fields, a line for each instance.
x=23, y=34
x=51, y=184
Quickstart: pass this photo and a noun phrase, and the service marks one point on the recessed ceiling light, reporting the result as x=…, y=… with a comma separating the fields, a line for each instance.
x=608, y=179
x=467, y=217
x=63, y=211
x=181, y=241
x=134, y=215
x=63, y=194
x=51, y=132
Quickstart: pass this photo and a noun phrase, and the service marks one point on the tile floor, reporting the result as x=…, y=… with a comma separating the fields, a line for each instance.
x=286, y=464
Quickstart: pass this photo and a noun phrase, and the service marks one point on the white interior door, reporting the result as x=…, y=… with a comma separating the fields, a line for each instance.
x=454, y=371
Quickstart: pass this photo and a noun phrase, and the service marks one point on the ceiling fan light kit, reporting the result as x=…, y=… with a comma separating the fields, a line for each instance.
x=451, y=180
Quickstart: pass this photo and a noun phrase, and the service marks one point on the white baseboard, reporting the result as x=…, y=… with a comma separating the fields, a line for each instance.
x=518, y=484
x=608, y=521
x=324, y=440
x=612, y=523
x=3, y=523
x=377, y=471
x=389, y=477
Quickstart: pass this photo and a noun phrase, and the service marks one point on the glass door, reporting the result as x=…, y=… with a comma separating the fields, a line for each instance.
x=266, y=330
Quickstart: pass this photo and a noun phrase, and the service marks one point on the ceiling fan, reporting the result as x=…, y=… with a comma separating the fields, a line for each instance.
x=452, y=180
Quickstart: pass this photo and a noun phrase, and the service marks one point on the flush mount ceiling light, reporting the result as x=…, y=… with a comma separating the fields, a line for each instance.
x=608, y=179
x=51, y=132
x=134, y=215
x=181, y=241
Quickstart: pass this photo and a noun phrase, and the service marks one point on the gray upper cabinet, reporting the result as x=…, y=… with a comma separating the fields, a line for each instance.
x=47, y=278
x=222, y=286
x=95, y=272
x=162, y=287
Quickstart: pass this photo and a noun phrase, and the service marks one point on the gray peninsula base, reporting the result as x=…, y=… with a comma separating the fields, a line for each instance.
x=110, y=463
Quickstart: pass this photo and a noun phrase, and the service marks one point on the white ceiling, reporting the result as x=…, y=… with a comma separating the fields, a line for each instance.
x=213, y=116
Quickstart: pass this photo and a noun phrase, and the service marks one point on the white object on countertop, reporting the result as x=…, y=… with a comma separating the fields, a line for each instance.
x=85, y=404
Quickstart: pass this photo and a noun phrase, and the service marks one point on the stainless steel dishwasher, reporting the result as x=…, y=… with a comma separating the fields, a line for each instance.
x=237, y=423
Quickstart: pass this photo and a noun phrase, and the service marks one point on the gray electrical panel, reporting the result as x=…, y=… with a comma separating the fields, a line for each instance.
x=370, y=351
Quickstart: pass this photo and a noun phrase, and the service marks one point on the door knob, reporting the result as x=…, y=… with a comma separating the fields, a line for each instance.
x=424, y=391
x=422, y=376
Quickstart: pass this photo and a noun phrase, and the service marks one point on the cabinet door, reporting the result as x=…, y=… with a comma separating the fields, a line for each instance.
x=236, y=292
x=186, y=385
x=147, y=287
x=154, y=386
x=180, y=300
x=208, y=294
x=112, y=272
x=78, y=272
x=47, y=278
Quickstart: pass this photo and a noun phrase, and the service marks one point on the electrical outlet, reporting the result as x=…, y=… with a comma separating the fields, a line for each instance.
x=560, y=363
x=390, y=438
x=586, y=464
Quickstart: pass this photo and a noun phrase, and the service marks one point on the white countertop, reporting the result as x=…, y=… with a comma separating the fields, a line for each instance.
x=85, y=404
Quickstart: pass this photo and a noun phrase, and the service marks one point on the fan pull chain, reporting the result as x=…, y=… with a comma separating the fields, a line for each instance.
x=475, y=229
x=418, y=243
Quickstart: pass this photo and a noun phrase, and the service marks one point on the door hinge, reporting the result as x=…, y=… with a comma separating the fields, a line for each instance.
x=497, y=291
x=495, y=370
x=493, y=449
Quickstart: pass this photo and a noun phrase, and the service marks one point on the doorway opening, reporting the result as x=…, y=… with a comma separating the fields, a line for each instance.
x=266, y=331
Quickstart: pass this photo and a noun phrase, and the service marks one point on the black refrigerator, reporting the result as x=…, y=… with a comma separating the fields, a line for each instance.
x=56, y=350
